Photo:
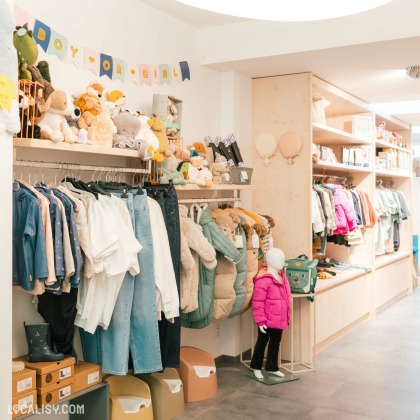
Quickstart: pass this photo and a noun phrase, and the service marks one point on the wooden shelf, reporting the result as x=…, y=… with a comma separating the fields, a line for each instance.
x=340, y=278
x=340, y=167
x=219, y=187
x=393, y=174
x=48, y=145
x=383, y=260
x=392, y=123
x=382, y=144
x=324, y=135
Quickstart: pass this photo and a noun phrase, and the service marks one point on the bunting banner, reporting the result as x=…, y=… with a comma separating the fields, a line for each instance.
x=74, y=54
x=100, y=64
x=42, y=34
x=58, y=45
x=133, y=74
x=92, y=61
x=118, y=69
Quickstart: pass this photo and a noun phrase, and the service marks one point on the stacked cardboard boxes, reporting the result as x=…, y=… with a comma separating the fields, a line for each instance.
x=23, y=392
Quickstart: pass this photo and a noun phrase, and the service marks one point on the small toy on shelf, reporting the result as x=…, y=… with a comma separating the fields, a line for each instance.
x=225, y=168
x=183, y=169
x=118, y=98
x=27, y=50
x=158, y=128
x=197, y=173
x=381, y=131
x=315, y=154
x=41, y=74
x=100, y=130
x=172, y=175
x=95, y=89
x=90, y=107
x=145, y=134
x=53, y=123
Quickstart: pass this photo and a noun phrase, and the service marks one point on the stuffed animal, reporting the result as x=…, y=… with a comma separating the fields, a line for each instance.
x=95, y=89
x=53, y=123
x=158, y=128
x=172, y=175
x=146, y=134
x=171, y=108
x=118, y=98
x=197, y=173
x=111, y=110
x=90, y=107
x=224, y=172
x=171, y=131
x=27, y=50
x=73, y=118
x=216, y=170
x=199, y=148
x=128, y=126
x=38, y=72
x=172, y=161
x=183, y=169
x=315, y=154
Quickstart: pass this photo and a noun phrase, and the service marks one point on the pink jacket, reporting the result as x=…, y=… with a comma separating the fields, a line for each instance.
x=345, y=216
x=271, y=300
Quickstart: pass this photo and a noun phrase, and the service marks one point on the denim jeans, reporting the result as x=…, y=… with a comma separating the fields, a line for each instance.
x=170, y=334
x=134, y=326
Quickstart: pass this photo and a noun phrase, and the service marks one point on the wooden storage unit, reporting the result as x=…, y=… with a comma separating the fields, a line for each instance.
x=283, y=104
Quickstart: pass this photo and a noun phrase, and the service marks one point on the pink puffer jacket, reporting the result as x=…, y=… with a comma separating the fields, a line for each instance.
x=271, y=300
x=345, y=216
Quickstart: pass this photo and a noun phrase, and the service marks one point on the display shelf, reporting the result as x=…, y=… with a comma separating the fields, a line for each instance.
x=392, y=174
x=341, y=167
x=383, y=260
x=325, y=136
x=392, y=123
x=219, y=187
x=50, y=146
x=340, y=278
x=381, y=144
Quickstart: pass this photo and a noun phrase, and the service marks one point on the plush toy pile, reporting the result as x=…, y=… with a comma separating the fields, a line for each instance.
x=171, y=116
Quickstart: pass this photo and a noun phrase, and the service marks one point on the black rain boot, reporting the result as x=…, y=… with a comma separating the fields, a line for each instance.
x=38, y=350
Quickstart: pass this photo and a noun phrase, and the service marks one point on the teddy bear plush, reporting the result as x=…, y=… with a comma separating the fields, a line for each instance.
x=158, y=128
x=216, y=170
x=197, y=173
x=223, y=168
x=53, y=123
x=90, y=107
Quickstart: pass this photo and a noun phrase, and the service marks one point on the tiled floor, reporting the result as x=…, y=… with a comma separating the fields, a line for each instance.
x=371, y=373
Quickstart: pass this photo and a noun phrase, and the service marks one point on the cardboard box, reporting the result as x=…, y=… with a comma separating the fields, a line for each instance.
x=55, y=376
x=23, y=382
x=24, y=403
x=86, y=375
x=55, y=392
x=42, y=368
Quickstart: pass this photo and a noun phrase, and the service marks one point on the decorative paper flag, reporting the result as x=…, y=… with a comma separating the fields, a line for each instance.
x=145, y=74
x=106, y=66
x=155, y=70
x=165, y=74
x=21, y=17
x=119, y=69
x=91, y=61
x=185, y=70
x=176, y=72
x=58, y=45
x=74, y=54
x=42, y=34
x=132, y=73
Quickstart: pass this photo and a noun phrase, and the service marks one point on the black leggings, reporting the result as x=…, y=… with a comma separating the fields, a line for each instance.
x=271, y=365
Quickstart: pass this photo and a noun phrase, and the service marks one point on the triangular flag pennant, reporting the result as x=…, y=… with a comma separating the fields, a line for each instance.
x=176, y=72
x=74, y=54
x=165, y=74
x=145, y=74
x=155, y=70
x=118, y=69
x=91, y=61
x=185, y=70
x=21, y=17
x=132, y=72
x=42, y=34
x=106, y=66
x=58, y=45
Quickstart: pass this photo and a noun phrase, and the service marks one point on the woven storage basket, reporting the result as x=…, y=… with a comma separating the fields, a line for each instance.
x=235, y=175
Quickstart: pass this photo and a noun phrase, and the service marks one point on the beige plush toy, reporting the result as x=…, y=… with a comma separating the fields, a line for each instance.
x=216, y=170
x=158, y=128
x=90, y=107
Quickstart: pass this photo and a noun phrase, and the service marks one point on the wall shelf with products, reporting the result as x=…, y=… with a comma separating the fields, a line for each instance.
x=381, y=144
x=341, y=167
x=324, y=135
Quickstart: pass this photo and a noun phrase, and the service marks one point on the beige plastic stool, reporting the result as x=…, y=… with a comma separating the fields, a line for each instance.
x=197, y=371
x=167, y=393
x=130, y=398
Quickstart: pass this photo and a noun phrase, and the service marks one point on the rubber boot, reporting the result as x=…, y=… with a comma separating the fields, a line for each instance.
x=38, y=349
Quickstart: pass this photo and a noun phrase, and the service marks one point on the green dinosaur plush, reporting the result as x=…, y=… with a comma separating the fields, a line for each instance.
x=27, y=50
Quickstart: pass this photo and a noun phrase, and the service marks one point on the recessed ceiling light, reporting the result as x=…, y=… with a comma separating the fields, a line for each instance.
x=286, y=10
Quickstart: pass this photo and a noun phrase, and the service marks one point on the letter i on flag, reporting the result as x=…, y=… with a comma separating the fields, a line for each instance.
x=106, y=66
x=133, y=74
x=155, y=70
x=91, y=61
x=118, y=69
x=58, y=45
x=74, y=54
x=42, y=34
x=145, y=74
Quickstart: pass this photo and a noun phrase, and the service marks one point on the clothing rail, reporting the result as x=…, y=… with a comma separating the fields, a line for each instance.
x=209, y=200
x=383, y=183
x=343, y=179
x=78, y=167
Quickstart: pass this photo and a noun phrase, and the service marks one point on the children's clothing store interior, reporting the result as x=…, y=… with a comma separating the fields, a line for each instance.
x=209, y=209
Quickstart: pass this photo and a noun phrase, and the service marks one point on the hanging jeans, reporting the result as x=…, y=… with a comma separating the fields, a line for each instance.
x=60, y=312
x=170, y=333
x=271, y=365
x=134, y=326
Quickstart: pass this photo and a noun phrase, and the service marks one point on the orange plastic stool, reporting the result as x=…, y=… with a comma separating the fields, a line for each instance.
x=197, y=371
x=167, y=393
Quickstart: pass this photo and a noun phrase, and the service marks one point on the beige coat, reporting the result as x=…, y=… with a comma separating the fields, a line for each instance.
x=193, y=245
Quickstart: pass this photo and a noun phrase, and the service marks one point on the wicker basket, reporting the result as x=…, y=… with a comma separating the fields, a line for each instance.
x=235, y=175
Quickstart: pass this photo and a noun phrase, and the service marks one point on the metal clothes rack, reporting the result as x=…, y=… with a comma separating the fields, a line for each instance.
x=210, y=200
x=332, y=178
x=384, y=183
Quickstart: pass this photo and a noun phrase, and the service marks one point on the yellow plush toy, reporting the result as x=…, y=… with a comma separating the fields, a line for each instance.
x=158, y=128
x=90, y=107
